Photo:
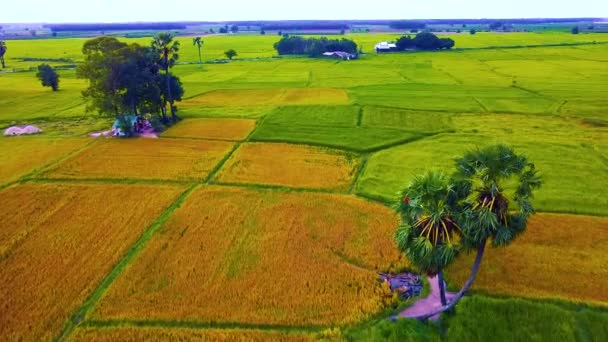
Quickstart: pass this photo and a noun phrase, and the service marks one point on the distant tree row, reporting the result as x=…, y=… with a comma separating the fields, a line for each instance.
x=130, y=78
x=313, y=47
x=115, y=27
x=407, y=24
x=424, y=41
x=3, y=50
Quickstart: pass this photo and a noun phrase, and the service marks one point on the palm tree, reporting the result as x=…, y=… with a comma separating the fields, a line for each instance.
x=198, y=42
x=429, y=226
x=492, y=210
x=167, y=50
x=2, y=52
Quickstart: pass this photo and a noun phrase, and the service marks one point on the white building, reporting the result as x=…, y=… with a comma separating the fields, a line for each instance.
x=385, y=47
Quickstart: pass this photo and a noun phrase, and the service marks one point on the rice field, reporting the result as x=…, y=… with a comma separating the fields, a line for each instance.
x=32, y=153
x=57, y=243
x=149, y=159
x=270, y=254
x=276, y=241
x=210, y=128
x=298, y=166
x=184, y=334
x=559, y=256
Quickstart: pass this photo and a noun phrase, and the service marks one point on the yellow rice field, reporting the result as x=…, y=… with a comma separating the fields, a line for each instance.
x=177, y=334
x=223, y=129
x=559, y=256
x=152, y=159
x=30, y=153
x=268, y=97
x=59, y=242
x=298, y=166
x=261, y=257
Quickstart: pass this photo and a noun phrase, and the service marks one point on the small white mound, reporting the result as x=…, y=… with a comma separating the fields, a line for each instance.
x=16, y=130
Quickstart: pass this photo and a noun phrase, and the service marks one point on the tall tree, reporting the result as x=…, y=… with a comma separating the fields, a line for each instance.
x=198, y=42
x=48, y=76
x=499, y=185
x=3, y=49
x=167, y=50
x=429, y=213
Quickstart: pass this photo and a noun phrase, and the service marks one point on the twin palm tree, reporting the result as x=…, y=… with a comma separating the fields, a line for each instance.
x=167, y=50
x=198, y=42
x=444, y=215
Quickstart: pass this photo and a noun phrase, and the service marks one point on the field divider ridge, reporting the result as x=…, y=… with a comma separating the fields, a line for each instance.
x=360, y=170
x=80, y=314
x=203, y=325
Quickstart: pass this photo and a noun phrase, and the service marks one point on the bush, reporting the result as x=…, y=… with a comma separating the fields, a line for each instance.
x=48, y=76
x=575, y=30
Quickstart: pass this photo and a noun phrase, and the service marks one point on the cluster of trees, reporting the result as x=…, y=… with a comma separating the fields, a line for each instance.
x=3, y=50
x=130, y=78
x=313, y=47
x=407, y=24
x=486, y=199
x=226, y=29
x=48, y=76
x=424, y=41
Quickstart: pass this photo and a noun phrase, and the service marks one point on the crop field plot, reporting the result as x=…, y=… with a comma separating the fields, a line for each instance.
x=185, y=334
x=260, y=257
x=29, y=153
x=269, y=97
x=413, y=121
x=559, y=256
x=334, y=126
x=222, y=129
x=59, y=241
x=298, y=166
x=550, y=142
x=151, y=159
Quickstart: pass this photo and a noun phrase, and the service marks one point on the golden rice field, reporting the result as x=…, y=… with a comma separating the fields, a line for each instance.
x=559, y=256
x=177, y=334
x=260, y=257
x=151, y=159
x=32, y=153
x=216, y=128
x=268, y=97
x=59, y=241
x=298, y=166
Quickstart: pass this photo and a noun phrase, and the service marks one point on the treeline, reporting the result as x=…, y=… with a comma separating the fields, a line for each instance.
x=424, y=41
x=313, y=47
x=407, y=24
x=115, y=27
x=130, y=78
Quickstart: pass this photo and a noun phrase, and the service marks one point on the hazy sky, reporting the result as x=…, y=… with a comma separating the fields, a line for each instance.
x=14, y=11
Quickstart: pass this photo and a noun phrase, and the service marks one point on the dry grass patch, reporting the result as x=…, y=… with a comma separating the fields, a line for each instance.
x=224, y=129
x=185, y=334
x=59, y=241
x=290, y=165
x=260, y=257
x=268, y=97
x=24, y=154
x=559, y=256
x=152, y=159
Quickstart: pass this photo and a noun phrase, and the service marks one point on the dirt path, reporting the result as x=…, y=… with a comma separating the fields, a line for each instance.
x=424, y=305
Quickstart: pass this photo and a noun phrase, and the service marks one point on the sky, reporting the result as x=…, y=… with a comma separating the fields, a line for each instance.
x=58, y=11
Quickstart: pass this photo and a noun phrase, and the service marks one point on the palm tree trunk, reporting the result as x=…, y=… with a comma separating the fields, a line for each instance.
x=169, y=97
x=200, y=58
x=480, y=250
x=441, y=288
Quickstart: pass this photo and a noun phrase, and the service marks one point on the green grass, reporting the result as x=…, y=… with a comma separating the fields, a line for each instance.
x=480, y=318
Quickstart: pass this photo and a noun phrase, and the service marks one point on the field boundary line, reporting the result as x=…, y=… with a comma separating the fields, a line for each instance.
x=203, y=325
x=483, y=107
x=360, y=170
x=278, y=188
x=360, y=116
x=113, y=181
x=195, y=138
x=80, y=314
